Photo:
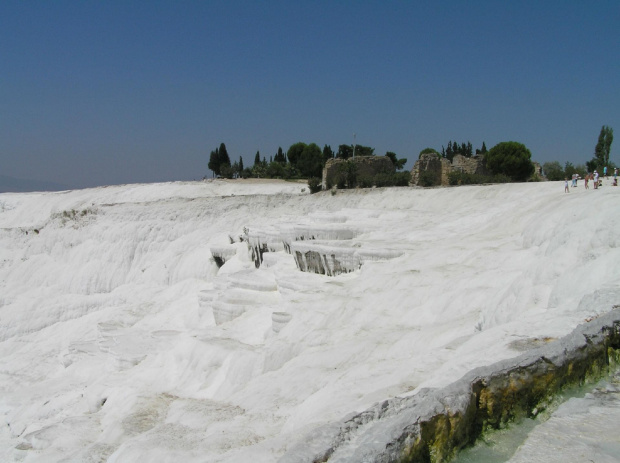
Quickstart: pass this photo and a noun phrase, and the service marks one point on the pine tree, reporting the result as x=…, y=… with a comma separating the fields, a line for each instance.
x=240, y=164
x=257, y=159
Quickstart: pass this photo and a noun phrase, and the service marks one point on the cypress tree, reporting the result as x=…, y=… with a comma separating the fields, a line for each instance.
x=223, y=156
x=214, y=162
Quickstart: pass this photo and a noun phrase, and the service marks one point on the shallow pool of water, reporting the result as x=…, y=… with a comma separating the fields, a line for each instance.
x=581, y=425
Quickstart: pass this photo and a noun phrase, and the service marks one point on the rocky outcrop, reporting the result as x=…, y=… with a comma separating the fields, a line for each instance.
x=365, y=166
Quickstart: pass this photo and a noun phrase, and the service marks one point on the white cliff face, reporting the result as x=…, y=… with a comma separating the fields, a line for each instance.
x=122, y=339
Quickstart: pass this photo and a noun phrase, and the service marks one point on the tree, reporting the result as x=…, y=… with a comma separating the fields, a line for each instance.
x=275, y=170
x=344, y=151
x=553, y=170
x=510, y=158
x=218, y=159
x=257, y=159
x=398, y=163
x=310, y=162
x=361, y=150
x=603, y=146
x=327, y=153
x=223, y=155
x=294, y=152
x=240, y=164
x=214, y=162
x=280, y=156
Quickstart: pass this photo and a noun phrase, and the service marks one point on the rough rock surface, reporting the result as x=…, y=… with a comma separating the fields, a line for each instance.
x=366, y=166
x=431, y=162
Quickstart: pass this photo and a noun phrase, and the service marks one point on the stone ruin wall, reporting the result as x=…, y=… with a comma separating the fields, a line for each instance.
x=366, y=166
x=435, y=163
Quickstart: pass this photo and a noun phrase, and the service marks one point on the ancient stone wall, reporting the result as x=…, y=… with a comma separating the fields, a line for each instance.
x=473, y=165
x=431, y=162
x=441, y=167
x=366, y=166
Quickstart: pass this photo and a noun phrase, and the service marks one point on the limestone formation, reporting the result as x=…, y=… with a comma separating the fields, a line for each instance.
x=432, y=425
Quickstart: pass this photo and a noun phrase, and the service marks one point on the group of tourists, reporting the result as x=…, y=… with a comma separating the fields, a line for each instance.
x=593, y=177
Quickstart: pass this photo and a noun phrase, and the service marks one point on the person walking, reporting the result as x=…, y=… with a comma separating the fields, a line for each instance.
x=566, y=190
x=595, y=180
x=587, y=178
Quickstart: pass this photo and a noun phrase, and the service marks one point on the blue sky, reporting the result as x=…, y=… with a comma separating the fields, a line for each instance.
x=97, y=93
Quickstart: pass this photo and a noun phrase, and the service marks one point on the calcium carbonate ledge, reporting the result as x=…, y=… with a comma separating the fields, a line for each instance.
x=434, y=424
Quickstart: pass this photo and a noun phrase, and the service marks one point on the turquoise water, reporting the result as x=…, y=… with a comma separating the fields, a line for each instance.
x=566, y=416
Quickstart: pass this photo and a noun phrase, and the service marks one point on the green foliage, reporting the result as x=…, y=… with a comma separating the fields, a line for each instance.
x=257, y=159
x=226, y=171
x=384, y=179
x=294, y=152
x=346, y=175
x=275, y=170
x=510, y=158
x=223, y=155
x=214, y=163
x=218, y=159
x=365, y=181
x=603, y=147
x=346, y=151
x=361, y=150
x=482, y=150
x=280, y=156
x=310, y=162
x=464, y=149
x=327, y=154
x=314, y=183
x=464, y=178
x=402, y=178
x=427, y=151
x=553, y=171
x=398, y=163
x=579, y=169
x=428, y=178
x=592, y=165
